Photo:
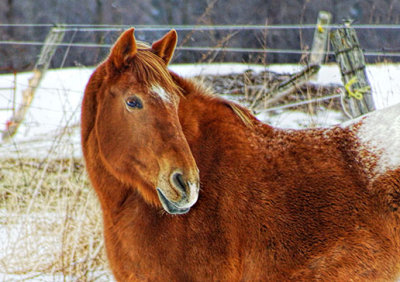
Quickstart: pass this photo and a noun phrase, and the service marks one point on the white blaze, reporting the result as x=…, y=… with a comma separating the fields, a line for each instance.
x=161, y=92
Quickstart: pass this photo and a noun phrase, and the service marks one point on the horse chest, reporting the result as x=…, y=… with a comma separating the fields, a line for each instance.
x=167, y=247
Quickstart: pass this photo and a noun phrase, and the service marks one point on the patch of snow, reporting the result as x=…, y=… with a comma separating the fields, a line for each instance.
x=214, y=69
x=385, y=84
x=56, y=103
x=22, y=242
x=297, y=119
x=285, y=68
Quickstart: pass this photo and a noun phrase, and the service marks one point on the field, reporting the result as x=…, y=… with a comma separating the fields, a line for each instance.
x=50, y=220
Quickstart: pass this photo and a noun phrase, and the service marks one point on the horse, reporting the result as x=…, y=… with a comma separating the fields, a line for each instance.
x=193, y=187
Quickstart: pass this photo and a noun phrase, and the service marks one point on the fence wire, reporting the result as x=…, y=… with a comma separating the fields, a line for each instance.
x=203, y=49
x=110, y=27
x=383, y=52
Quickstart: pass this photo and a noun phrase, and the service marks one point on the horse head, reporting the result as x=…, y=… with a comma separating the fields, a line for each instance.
x=139, y=136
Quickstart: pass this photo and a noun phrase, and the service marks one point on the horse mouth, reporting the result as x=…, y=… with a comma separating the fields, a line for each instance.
x=168, y=206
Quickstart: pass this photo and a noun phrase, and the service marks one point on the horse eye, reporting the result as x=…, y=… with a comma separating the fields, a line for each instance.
x=134, y=103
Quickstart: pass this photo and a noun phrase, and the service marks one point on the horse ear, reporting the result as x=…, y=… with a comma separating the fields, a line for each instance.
x=124, y=49
x=165, y=47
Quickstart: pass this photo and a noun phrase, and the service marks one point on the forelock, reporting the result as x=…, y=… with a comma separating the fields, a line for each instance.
x=151, y=70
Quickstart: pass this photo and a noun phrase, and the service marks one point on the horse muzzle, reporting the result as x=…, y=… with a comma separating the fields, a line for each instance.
x=187, y=192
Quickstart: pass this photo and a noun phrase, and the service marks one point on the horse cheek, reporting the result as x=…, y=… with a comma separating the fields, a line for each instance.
x=111, y=138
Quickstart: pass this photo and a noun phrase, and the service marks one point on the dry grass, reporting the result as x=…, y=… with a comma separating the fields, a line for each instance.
x=245, y=87
x=50, y=222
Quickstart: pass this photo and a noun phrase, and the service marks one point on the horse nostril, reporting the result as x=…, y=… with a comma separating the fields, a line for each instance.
x=177, y=179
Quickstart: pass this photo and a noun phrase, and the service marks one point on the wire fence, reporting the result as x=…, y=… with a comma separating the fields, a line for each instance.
x=111, y=27
x=204, y=48
x=85, y=28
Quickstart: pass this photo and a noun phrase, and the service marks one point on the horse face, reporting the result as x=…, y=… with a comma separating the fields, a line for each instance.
x=139, y=134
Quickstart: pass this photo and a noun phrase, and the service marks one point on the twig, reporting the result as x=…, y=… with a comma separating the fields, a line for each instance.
x=286, y=87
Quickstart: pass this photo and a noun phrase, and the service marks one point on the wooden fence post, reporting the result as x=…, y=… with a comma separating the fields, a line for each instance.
x=351, y=61
x=54, y=37
x=320, y=40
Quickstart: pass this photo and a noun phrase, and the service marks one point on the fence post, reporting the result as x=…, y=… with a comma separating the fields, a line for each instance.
x=351, y=61
x=320, y=40
x=53, y=38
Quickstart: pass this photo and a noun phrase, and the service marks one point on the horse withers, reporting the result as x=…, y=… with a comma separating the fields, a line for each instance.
x=194, y=188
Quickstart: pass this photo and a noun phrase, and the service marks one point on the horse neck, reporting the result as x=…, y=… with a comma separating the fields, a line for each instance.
x=212, y=127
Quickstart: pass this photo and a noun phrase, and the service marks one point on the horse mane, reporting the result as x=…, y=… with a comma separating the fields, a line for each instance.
x=245, y=116
x=190, y=86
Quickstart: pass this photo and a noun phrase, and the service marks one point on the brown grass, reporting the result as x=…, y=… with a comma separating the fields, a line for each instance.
x=50, y=221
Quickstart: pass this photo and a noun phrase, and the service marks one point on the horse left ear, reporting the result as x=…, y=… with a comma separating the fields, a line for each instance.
x=124, y=49
x=165, y=47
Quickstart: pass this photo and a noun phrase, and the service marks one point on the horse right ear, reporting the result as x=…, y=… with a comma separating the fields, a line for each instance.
x=165, y=47
x=124, y=49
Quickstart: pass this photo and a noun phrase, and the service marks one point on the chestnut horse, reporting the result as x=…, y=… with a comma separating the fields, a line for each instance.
x=195, y=188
